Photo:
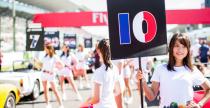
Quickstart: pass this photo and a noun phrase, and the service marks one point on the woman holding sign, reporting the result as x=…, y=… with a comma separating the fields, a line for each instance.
x=106, y=80
x=175, y=79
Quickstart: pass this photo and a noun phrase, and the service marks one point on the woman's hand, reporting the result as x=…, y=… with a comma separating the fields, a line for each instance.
x=59, y=65
x=89, y=99
x=87, y=104
x=139, y=75
x=37, y=64
x=192, y=104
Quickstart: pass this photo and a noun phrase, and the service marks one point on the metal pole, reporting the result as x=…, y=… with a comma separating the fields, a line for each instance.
x=141, y=86
x=13, y=25
x=1, y=39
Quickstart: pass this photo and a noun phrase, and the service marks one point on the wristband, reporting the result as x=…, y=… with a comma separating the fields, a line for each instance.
x=90, y=105
x=200, y=104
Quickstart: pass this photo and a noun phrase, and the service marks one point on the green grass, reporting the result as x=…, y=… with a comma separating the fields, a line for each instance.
x=10, y=68
x=6, y=68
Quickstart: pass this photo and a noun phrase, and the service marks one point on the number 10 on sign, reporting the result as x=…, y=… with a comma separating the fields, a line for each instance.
x=124, y=27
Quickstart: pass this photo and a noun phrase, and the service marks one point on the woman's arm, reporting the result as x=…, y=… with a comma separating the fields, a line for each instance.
x=74, y=60
x=37, y=64
x=59, y=64
x=150, y=92
x=96, y=94
x=206, y=87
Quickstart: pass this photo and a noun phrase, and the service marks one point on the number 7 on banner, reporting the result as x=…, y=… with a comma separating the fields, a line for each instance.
x=34, y=39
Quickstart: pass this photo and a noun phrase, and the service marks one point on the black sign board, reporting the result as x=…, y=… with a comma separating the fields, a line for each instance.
x=88, y=42
x=137, y=28
x=34, y=39
x=53, y=38
x=70, y=40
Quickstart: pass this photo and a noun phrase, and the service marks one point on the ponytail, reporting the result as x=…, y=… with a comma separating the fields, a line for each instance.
x=104, y=48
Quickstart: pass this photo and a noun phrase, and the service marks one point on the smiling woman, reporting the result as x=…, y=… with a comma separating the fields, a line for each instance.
x=177, y=77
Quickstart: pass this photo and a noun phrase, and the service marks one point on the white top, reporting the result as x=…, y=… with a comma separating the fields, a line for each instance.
x=49, y=63
x=107, y=80
x=80, y=56
x=121, y=77
x=66, y=60
x=127, y=69
x=176, y=86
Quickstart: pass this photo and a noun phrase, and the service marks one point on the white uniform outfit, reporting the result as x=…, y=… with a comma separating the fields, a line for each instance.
x=48, y=69
x=176, y=86
x=81, y=60
x=121, y=76
x=107, y=80
x=66, y=71
x=127, y=72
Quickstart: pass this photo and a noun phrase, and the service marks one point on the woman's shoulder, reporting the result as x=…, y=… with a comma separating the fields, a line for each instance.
x=55, y=56
x=161, y=66
x=113, y=65
x=161, y=69
x=100, y=69
x=71, y=54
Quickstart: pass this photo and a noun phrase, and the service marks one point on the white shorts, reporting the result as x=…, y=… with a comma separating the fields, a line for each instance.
x=126, y=72
x=65, y=72
x=48, y=77
x=81, y=65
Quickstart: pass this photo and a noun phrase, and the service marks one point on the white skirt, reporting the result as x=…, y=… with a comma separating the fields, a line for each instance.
x=65, y=72
x=48, y=76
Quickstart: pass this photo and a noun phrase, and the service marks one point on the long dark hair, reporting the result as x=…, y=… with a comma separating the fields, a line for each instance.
x=51, y=50
x=67, y=53
x=104, y=48
x=184, y=40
